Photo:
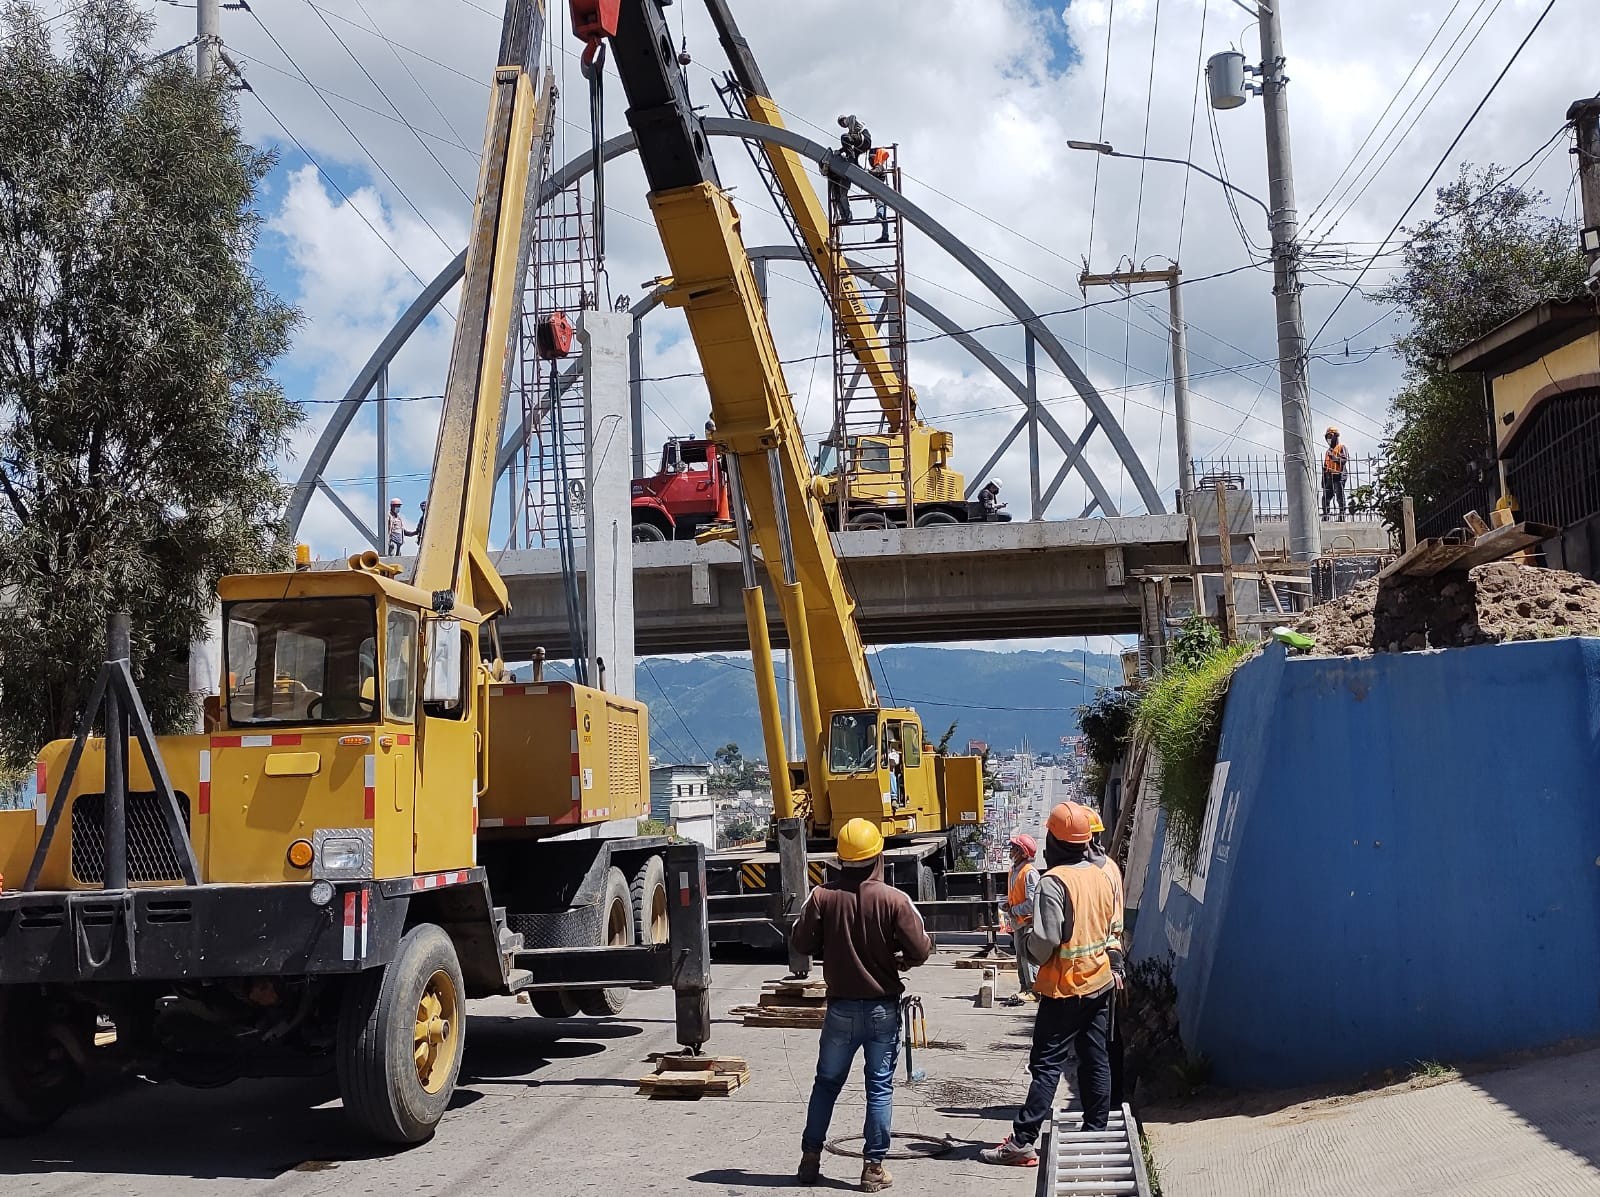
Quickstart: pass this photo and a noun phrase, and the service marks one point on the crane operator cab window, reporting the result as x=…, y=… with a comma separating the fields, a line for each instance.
x=827, y=458
x=400, y=665
x=872, y=457
x=894, y=758
x=853, y=742
x=309, y=660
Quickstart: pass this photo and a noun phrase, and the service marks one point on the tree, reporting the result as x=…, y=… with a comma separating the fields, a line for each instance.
x=139, y=420
x=728, y=756
x=1490, y=252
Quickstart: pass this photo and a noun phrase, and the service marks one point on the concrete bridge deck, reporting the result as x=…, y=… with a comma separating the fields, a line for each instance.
x=955, y=582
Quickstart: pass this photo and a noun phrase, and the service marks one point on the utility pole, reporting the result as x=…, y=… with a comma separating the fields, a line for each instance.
x=1299, y=461
x=208, y=37
x=1585, y=116
x=1180, y=358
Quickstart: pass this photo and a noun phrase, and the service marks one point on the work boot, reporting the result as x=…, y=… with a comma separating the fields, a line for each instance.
x=875, y=1178
x=1012, y=1153
x=810, y=1167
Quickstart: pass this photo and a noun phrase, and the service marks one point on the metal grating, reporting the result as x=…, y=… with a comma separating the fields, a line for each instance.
x=622, y=762
x=151, y=854
x=1263, y=478
x=1554, y=469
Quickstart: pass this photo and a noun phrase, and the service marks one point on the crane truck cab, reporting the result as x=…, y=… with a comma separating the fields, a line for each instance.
x=872, y=472
x=688, y=491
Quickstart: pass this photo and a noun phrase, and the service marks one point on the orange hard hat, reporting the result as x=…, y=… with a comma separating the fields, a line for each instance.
x=1069, y=823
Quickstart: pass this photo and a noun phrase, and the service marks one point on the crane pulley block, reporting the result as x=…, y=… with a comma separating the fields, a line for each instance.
x=555, y=336
x=593, y=20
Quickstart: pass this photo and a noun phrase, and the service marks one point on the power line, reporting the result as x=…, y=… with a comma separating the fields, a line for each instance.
x=352, y=133
x=1399, y=91
x=428, y=149
x=1398, y=141
x=1194, y=109
x=349, y=203
x=1100, y=135
x=1443, y=158
x=673, y=707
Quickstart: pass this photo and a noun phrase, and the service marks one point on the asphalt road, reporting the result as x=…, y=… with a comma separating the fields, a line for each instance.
x=551, y=1108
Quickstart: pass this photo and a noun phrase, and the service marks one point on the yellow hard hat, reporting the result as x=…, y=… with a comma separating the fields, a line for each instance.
x=1095, y=824
x=859, y=840
x=1332, y=431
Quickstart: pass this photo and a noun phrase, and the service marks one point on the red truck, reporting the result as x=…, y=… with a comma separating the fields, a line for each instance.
x=689, y=491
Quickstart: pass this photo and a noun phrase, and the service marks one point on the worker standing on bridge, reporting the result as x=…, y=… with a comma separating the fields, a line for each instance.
x=878, y=162
x=1070, y=939
x=397, y=529
x=1020, y=898
x=1334, y=462
x=867, y=933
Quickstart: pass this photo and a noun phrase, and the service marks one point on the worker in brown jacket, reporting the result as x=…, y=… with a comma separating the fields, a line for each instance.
x=867, y=933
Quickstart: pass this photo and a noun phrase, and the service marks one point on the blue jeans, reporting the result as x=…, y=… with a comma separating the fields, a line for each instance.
x=874, y=1027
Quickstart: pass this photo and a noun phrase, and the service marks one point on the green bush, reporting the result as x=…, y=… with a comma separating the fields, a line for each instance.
x=1181, y=717
x=1106, y=724
x=1196, y=640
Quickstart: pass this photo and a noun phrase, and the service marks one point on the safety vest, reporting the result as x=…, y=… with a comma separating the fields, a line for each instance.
x=1018, y=893
x=1118, y=900
x=1333, y=460
x=1081, y=967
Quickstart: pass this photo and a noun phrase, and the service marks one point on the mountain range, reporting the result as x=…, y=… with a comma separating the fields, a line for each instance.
x=1006, y=699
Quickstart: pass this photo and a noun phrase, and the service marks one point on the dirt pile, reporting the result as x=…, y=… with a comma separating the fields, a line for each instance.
x=1492, y=603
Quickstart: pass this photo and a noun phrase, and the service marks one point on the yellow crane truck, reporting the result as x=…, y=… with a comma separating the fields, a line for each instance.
x=857, y=758
x=365, y=838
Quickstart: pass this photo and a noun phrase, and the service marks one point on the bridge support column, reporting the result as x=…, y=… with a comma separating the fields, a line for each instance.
x=608, y=463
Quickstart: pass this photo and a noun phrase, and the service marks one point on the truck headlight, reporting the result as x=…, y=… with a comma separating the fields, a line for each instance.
x=342, y=854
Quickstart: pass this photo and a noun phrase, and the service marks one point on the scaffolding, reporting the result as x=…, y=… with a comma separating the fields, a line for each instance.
x=871, y=433
x=548, y=481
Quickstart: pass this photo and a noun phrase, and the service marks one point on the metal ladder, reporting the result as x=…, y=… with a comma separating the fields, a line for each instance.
x=1106, y=1163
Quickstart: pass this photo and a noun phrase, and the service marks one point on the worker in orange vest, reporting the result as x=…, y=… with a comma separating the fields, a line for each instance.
x=1070, y=939
x=1334, y=462
x=878, y=163
x=1101, y=857
x=1020, y=895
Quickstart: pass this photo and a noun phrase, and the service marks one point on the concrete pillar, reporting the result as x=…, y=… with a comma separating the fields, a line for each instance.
x=608, y=440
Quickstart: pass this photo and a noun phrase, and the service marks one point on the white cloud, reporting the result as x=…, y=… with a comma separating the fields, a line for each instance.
x=981, y=108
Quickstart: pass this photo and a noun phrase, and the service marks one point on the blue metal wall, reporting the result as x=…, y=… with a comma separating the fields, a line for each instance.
x=1404, y=864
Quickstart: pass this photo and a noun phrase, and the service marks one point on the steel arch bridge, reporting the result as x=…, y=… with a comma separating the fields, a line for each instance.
x=1034, y=418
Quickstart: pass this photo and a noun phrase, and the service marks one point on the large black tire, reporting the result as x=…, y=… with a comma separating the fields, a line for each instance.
x=935, y=518
x=616, y=930
x=402, y=1033
x=868, y=520
x=927, y=884
x=645, y=532
x=649, y=893
x=38, y=1080
x=553, y=1003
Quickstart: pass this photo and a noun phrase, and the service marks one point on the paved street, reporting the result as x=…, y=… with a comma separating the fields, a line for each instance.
x=552, y=1108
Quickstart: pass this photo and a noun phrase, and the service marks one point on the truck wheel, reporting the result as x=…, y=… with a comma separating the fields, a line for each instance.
x=931, y=519
x=927, y=884
x=647, y=533
x=402, y=1029
x=616, y=931
x=553, y=1003
x=868, y=520
x=649, y=891
x=38, y=1080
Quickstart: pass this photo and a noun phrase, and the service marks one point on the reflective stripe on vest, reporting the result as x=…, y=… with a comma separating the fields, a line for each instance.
x=1018, y=893
x=1333, y=460
x=1081, y=966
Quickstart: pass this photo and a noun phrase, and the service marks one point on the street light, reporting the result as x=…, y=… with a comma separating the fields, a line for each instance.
x=1101, y=147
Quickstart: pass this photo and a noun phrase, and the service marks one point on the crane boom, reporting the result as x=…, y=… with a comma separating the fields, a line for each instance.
x=713, y=283
x=453, y=557
x=811, y=221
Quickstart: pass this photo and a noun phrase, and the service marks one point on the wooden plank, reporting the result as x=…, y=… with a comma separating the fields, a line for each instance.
x=803, y=1001
x=768, y=1020
x=1408, y=520
x=1229, y=612
x=985, y=962
x=677, y=1062
x=1423, y=560
x=1499, y=543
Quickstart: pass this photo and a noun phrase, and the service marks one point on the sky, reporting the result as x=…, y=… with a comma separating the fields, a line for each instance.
x=980, y=97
